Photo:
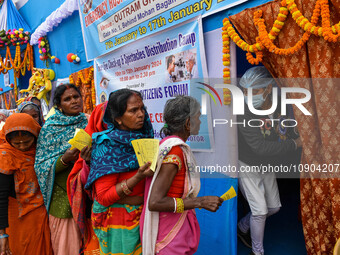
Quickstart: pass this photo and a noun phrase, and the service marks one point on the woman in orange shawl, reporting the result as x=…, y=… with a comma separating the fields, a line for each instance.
x=28, y=231
x=79, y=200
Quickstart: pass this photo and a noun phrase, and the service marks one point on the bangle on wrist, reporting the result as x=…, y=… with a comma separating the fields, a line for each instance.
x=3, y=236
x=62, y=161
x=125, y=187
x=175, y=207
x=180, y=205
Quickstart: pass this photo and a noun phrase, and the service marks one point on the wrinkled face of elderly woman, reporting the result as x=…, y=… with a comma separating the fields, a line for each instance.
x=71, y=102
x=195, y=124
x=133, y=117
x=34, y=113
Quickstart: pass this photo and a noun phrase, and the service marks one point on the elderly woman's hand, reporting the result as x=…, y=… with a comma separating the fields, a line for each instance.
x=85, y=154
x=211, y=203
x=145, y=171
x=70, y=155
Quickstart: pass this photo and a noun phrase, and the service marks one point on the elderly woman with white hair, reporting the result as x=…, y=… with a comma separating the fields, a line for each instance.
x=266, y=143
x=168, y=222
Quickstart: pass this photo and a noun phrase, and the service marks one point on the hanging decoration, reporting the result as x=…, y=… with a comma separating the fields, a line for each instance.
x=265, y=40
x=17, y=38
x=54, y=19
x=13, y=37
x=44, y=50
x=73, y=58
x=84, y=79
x=226, y=63
x=39, y=85
x=16, y=53
x=55, y=60
x=7, y=101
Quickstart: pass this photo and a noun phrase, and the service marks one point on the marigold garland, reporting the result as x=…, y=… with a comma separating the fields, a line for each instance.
x=226, y=62
x=4, y=98
x=16, y=63
x=88, y=87
x=265, y=39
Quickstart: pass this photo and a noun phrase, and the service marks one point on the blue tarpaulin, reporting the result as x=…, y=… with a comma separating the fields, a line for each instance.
x=14, y=19
x=218, y=230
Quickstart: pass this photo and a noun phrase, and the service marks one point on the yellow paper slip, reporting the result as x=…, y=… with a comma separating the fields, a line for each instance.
x=80, y=139
x=229, y=194
x=146, y=150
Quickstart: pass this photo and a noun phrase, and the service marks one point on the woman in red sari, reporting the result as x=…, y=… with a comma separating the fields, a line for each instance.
x=79, y=199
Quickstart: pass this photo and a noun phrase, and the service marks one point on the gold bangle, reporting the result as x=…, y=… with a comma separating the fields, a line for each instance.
x=62, y=161
x=125, y=187
x=180, y=205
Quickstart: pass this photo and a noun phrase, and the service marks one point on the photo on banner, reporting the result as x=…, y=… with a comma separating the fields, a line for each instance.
x=110, y=24
x=161, y=67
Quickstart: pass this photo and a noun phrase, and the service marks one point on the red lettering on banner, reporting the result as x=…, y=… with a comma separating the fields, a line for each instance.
x=96, y=14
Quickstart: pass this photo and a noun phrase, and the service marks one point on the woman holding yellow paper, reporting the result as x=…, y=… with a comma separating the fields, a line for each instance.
x=169, y=221
x=116, y=180
x=54, y=161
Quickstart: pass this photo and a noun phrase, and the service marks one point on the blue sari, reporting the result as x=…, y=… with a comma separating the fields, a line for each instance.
x=112, y=151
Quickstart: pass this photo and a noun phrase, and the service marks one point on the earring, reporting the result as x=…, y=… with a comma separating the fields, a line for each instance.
x=119, y=123
x=60, y=109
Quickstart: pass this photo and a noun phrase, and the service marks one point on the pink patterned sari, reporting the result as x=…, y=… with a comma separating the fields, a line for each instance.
x=168, y=232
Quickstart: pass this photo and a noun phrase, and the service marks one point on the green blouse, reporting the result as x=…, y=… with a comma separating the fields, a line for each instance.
x=60, y=206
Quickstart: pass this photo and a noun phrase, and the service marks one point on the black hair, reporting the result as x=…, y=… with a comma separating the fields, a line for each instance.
x=176, y=112
x=169, y=61
x=59, y=91
x=117, y=104
x=13, y=134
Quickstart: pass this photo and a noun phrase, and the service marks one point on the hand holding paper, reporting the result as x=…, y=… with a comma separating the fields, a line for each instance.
x=80, y=139
x=146, y=150
x=229, y=194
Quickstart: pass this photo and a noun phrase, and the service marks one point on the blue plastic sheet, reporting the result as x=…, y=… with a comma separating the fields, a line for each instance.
x=218, y=230
x=14, y=19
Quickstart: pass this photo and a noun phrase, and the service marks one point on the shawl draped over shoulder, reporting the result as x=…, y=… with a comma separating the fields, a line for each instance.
x=52, y=143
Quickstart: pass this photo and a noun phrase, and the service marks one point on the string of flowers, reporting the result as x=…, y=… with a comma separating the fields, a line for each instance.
x=93, y=93
x=88, y=83
x=329, y=33
x=44, y=50
x=265, y=39
x=9, y=63
x=226, y=62
x=14, y=37
x=4, y=98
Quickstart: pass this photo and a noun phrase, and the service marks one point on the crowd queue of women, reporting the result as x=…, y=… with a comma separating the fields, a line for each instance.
x=62, y=201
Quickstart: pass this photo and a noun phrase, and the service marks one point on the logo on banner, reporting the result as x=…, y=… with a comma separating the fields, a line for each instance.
x=204, y=98
x=239, y=100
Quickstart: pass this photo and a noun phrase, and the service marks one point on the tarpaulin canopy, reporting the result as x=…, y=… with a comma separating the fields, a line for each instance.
x=10, y=18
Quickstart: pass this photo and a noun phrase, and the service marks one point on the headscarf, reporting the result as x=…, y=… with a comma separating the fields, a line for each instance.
x=52, y=143
x=24, y=104
x=112, y=150
x=75, y=190
x=12, y=160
